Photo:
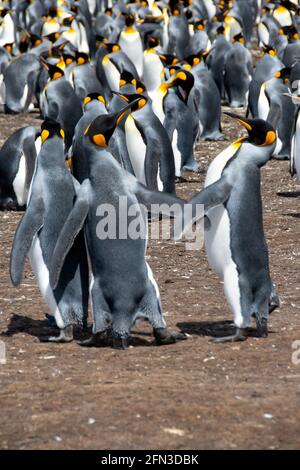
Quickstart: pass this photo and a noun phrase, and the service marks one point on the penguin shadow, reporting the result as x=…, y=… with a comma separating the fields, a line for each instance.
x=295, y=215
x=291, y=194
x=41, y=329
x=214, y=329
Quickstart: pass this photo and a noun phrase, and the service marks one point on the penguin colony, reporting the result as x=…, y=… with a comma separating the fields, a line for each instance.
x=126, y=91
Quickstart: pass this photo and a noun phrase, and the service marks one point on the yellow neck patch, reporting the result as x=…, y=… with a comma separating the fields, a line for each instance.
x=99, y=140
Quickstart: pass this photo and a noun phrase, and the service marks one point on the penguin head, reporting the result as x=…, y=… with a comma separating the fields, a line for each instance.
x=49, y=129
x=200, y=25
x=151, y=43
x=129, y=20
x=269, y=50
x=184, y=80
x=191, y=61
x=94, y=97
x=168, y=59
x=9, y=47
x=140, y=87
x=173, y=69
x=53, y=37
x=126, y=78
x=102, y=128
x=283, y=74
x=68, y=59
x=111, y=47
x=290, y=32
x=100, y=40
x=139, y=100
x=220, y=30
x=35, y=40
x=260, y=132
x=81, y=58
x=54, y=72
x=238, y=38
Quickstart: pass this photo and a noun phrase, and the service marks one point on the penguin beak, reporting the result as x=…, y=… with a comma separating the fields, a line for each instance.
x=120, y=95
x=245, y=122
x=121, y=114
x=44, y=63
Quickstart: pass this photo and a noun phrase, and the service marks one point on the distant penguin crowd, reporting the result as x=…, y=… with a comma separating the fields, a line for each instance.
x=127, y=90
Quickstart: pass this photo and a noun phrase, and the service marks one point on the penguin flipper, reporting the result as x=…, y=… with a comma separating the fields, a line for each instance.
x=156, y=201
x=213, y=195
x=30, y=158
x=30, y=223
x=69, y=232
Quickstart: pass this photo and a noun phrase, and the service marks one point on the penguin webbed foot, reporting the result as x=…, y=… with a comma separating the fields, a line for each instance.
x=239, y=335
x=262, y=327
x=65, y=336
x=164, y=336
x=96, y=340
x=120, y=342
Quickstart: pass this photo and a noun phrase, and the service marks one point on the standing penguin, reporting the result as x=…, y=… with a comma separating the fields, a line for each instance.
x=238, y=72
x=234, y=242
x=279, y=110
x=50, y=201
x=59, y=102
x=123, y=287
x=131, y=44
x=148, y=146
x=17, y=162
x=295, y=150
x=83, y=77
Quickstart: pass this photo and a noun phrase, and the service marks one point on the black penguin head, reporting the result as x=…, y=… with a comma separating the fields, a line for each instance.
x=129, y=20
x=168, y=59
x=290, y=32
x=283, y=74
x=94, y=97
x=100, y=40
x=220, y=31
x=140, y=87
x=53, y=37
x=81, y=58
x=68, y=59
x=200, y=25
x=102, y=128
x=35, y=40
x=111, y=47
x=260, y=132
x=54, y=72
x=192, y=60
x=173, y=69
x=184, y=80
x=50, y=128
x=269, y=50
x=139, y=100
x=151, y=42
x=126, y=78
x=238, y=38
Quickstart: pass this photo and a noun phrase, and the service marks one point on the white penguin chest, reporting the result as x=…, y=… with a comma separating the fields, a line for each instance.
x=112, y=74
x=131, y=44
x=263, y=103
x=20, y=189
x=136, y=148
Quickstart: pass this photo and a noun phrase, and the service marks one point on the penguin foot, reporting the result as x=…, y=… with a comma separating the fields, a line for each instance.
x=240, y=335
x=96, y=340
x=194, y=167
x=65, y=336
x=165, y=336
x=180, y=179
x=281, y=157
x=262, y=328
x=120, y=343
x=51, y=320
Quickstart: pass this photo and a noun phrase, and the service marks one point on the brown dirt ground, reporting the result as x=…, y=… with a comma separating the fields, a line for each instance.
x=194, y=394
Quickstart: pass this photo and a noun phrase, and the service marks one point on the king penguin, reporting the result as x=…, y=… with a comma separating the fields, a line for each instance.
x=234, y=240
x=131, y=44
x=17, y=163
x=123, y=288
x=50, y=200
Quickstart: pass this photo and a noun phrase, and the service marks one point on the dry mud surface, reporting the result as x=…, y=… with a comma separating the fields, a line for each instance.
x=193, y=394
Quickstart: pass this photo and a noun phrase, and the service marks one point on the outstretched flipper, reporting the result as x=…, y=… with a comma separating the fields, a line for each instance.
x=30, y=223
x=153, y=199
x=69, y=232
x=211, y=196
